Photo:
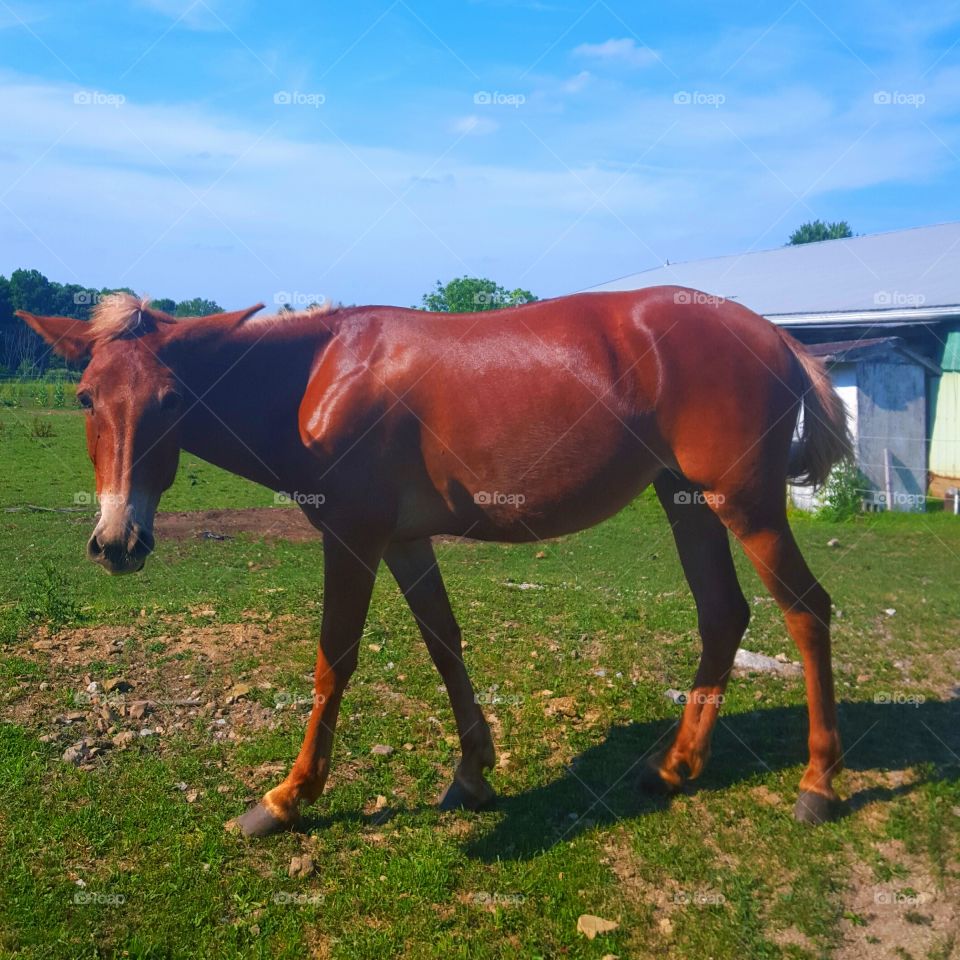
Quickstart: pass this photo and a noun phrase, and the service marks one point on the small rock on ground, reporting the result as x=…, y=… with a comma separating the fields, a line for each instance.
x=590, y=926
x=301, y=866
x=751, y=662
x=561, y=707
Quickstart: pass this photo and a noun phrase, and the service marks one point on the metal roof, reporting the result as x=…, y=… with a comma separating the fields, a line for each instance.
x=889, y=349
x=900, y=275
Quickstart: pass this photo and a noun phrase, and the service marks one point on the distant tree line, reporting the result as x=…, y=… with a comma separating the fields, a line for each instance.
x=22, y=352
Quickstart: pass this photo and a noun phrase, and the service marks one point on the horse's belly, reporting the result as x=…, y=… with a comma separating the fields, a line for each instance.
x=559, y=490
x=537, y=517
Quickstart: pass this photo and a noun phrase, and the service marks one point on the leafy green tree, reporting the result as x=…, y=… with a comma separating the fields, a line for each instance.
x=31, y=290
x=197, y=307
x=816, y=230
x=21, y=349
x=472, y=294
x=165, y=304
x=6, y=301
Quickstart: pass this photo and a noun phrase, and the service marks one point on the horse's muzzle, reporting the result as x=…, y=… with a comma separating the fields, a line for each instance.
x=121, y=556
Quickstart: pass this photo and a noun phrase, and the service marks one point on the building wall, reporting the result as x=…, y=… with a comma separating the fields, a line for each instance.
x=891, y=415
x=844, y=377
x=945, y=417
x=945, y=428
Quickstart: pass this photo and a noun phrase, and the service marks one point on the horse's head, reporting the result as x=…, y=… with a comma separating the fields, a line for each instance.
x=134, y=402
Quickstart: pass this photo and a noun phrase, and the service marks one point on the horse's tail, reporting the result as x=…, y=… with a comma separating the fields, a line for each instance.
x=825, y=436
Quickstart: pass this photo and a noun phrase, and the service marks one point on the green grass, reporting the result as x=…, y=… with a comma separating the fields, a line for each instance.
x=722, y=871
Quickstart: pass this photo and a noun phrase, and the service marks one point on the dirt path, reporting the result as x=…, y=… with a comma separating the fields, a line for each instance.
x=273, y=523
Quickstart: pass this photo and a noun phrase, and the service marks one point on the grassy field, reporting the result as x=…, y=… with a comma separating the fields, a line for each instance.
x=126, y=853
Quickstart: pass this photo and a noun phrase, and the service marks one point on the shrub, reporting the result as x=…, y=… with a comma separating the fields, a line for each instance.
x=842, y=494
x=51, y=597
x=41, y=429
x=10, y=395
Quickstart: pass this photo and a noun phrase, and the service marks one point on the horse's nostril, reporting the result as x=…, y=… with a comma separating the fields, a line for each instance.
x=94, y=547
x=140, y=540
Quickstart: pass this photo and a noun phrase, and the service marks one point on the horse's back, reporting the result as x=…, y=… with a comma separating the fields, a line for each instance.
x=529, y=421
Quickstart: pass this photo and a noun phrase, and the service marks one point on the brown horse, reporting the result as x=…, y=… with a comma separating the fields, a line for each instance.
x=390, y=426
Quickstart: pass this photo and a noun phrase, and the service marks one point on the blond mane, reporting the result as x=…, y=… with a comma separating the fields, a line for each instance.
x=307, y=313
x=124, y=315
x=119, y=315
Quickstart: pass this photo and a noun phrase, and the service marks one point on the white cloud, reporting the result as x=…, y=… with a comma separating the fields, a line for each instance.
x=474, y=125
x=624, y=51
x=577, y=83
x=200, y=14
x=183, y=201
x=18, y=18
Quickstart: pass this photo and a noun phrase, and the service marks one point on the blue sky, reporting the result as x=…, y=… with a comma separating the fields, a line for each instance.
x=246, y=151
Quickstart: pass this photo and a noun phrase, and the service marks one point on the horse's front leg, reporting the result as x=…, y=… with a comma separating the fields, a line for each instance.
x=350, y=569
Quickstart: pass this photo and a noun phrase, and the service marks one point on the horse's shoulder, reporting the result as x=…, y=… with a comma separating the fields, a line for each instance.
x=346, y=387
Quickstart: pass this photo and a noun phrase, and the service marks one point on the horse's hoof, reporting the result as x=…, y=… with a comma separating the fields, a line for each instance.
x=258, y=821
x=652, y=781
x=815, y=808
x=458, y=797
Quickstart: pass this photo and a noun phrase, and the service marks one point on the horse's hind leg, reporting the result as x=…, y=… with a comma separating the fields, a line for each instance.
x=722, y=613
x=769, y=543
x=414, y=566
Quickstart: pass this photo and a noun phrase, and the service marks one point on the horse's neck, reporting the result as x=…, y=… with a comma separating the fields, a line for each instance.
x=243, y=412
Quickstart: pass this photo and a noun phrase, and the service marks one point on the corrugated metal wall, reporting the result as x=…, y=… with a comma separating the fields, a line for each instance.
x=891, y=401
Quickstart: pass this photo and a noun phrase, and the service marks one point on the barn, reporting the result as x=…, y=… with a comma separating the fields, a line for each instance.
x=884, y=312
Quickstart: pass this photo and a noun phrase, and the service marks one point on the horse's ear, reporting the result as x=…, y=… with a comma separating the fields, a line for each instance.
x=228, y=321
x=66, y=335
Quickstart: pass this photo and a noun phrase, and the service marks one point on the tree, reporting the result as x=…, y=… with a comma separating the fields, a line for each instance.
x=6, y=302
x=164, y=304
x=31, y=290
x=472, y=294
x=197, y=307
x=816, y=230
x=23, y=350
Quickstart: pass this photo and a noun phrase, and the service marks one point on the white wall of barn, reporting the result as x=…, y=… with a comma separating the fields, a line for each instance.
x=844, y=377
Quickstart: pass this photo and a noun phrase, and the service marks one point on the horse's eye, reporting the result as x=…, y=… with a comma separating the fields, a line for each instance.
x=84, y=399
x=170, y=401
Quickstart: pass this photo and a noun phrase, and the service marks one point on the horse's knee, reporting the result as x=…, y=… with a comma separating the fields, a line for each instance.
x=723, y=622
x=739, y=617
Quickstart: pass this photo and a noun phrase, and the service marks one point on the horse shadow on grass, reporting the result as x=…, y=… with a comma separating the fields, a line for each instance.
x=601, y=785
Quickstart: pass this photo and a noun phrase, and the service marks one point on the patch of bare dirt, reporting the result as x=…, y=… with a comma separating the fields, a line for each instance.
x=869, y=792
x=911, y=915
x=151, y=689
x=792, y=937
x=665, y=897
x=271, y=523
